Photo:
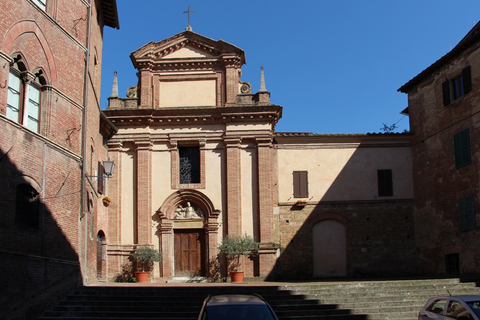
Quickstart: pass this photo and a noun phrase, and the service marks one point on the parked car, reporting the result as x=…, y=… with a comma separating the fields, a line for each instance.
x=236, y=307
x=466, y=307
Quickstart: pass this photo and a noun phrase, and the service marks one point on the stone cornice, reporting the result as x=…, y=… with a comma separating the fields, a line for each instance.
x=185, y=116
x=315, y=141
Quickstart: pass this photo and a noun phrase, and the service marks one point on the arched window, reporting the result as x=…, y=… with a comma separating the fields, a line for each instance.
x=27, y=206
x=24, y=94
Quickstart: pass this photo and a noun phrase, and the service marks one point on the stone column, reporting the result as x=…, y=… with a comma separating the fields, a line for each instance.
x=144, y=192
x=234, y=187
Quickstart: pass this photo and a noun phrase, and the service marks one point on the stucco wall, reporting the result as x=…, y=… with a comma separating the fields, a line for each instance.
x=343, y=173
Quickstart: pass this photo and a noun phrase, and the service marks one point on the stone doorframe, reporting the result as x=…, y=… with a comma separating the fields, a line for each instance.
x=166, y=214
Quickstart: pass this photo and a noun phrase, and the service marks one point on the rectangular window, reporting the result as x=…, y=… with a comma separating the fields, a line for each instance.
x=385, y=183
x=26, y=113
x=300, y=184
x=189, y=164
x=33, y=108
x=41, y=3
x=466, y=208
x=461, y=143
x=457, y=87
x=14, y=96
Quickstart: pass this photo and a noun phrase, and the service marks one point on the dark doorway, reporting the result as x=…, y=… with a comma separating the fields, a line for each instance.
x=101, y=256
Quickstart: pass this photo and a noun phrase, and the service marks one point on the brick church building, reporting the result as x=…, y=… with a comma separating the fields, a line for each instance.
x=193, y=137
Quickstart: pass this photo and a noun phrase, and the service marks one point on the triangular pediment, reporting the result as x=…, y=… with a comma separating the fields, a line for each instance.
x=187, y=52
x=186, y=45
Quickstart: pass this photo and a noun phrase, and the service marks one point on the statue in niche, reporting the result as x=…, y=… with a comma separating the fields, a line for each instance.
x=188, y=212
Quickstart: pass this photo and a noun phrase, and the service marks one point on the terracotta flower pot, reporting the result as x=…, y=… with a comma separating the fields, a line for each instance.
x=236, y=276
x=142, y=276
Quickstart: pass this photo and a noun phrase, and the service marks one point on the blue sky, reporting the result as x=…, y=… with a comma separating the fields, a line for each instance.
x=334, y=66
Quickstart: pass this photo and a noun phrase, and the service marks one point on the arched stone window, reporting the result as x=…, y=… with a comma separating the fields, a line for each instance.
x=24, y=94
x=27, y=206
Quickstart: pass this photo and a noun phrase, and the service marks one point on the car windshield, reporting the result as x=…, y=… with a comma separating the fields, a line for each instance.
x=475, y=306
x=239, y=312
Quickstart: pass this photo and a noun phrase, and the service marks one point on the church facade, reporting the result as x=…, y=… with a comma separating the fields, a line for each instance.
x=198, y=158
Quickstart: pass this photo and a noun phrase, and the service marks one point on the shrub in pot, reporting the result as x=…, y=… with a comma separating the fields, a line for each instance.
x=145, y=256
x=232, y=247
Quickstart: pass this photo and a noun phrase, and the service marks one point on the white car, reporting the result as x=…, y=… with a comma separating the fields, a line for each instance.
x=451, y=307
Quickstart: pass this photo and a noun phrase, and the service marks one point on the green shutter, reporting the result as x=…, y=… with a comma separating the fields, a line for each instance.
x=466, y=208
x=467, y=79
x=446, y=92
x=462, y=149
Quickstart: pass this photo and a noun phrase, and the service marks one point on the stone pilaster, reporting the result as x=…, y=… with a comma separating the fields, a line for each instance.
x=266, y=185
x=115, y=192
x=116, y=257
x=234, y=187
x=146, y=89
x=166, y=245
x=231, y=85
x=144, y=192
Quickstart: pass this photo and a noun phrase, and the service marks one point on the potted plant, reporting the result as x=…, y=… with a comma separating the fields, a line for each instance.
x=145, y=256
x=106, y=201
x=301, y=203
x=232, y=247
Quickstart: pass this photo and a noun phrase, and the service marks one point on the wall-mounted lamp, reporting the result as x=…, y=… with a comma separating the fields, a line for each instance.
x=108, y=167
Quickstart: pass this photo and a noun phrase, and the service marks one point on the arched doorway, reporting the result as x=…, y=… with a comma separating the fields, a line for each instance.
x=187, y=230
x=101, y=256
x=329, y=249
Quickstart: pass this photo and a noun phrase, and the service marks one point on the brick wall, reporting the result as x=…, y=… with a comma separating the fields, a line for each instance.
x=438, y=184
x=380, y=238
x=51, y=257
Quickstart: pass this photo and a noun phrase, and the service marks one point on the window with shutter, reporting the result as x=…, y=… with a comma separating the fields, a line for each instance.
x=457, y=87
x=24, y=95
x=461, y=143
x=385, y=183
x=300, y=184
x=466, y=207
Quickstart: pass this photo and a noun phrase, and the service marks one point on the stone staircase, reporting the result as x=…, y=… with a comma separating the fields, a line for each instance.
x=319, y=300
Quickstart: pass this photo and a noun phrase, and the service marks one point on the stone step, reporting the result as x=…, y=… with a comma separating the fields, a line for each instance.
x=398, y=300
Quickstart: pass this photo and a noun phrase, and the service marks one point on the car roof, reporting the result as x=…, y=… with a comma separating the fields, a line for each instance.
x=235, y=299
x=460, y=297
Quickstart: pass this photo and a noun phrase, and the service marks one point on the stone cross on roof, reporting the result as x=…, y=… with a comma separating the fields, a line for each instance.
x=189, y=28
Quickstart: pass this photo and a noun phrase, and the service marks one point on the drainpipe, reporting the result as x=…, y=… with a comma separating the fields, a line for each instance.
x=84, y=143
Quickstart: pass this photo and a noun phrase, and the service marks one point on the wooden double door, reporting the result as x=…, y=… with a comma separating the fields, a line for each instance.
x=189, y=252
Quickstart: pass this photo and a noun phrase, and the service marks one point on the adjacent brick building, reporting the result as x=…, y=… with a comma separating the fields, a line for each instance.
x=49, y=139
x=443, y=104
